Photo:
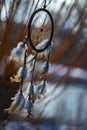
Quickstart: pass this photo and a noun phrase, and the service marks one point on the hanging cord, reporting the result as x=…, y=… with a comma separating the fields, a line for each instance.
x=33, y=69
x=45, y=4
x=31, y=93
x=25, y=56
x=48, y=61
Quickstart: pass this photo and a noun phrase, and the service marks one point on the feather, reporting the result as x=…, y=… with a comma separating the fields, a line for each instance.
x=42, y=44
x=30, y=62
x=21, y=45
x=18, y=102
x=46, y=51
x=41, y=88
x=18, y=52
x=45, y=67
x=29, y=107
x=23, y=72
x=21, y=105
x=31, y=91
x=15, y=78
x=30, y=59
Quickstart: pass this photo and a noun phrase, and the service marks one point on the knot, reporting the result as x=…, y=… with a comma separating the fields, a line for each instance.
x=44, y=6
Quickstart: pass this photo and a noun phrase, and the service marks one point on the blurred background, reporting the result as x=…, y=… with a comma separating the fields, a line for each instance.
x=68, y=73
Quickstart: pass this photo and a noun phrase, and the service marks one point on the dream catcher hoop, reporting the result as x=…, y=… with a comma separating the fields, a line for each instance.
x=36, y=34
x=40, y=34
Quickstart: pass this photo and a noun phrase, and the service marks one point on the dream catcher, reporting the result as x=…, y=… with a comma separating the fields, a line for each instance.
x=40, y=33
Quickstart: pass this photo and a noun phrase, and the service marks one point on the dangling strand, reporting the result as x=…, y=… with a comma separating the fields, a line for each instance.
x=24, y=66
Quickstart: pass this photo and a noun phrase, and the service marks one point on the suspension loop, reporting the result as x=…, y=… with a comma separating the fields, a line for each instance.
x=44, y=4
x=40, y=27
